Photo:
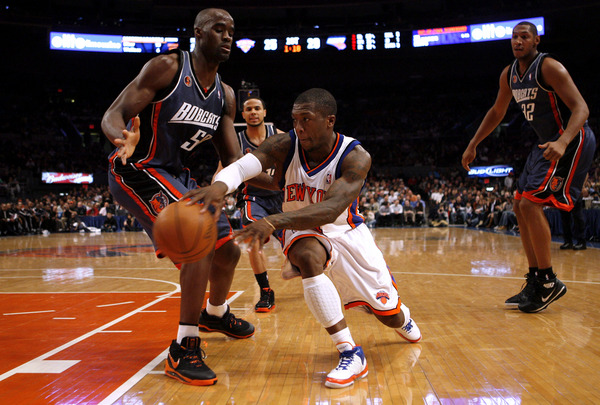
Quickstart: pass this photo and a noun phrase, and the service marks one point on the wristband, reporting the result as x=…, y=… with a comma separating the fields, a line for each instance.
x=272, y=226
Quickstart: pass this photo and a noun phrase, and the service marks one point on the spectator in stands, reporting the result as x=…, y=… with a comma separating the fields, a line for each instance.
x=397, y=213
x=110, y=223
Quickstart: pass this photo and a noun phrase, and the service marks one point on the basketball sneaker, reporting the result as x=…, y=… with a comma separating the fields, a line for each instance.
x=544, y=293
x=289, y=271
x=352, y=366
x=410, y=331
x=228, y=325
x=526, y=290
x=266, y=302
x=185, y=363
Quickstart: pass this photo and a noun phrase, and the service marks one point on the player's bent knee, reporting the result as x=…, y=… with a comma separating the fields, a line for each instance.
x=227, y=255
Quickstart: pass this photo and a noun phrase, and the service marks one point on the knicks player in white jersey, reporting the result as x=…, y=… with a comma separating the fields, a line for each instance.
x=322, y=173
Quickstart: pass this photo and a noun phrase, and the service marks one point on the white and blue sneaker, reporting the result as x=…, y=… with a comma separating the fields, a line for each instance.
x=410, y=331
x=353, y=366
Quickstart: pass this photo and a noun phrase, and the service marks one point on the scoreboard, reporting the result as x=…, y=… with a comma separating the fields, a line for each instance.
x=70, y=41
x=471, y=33
x=360, y=41
x=366, y=41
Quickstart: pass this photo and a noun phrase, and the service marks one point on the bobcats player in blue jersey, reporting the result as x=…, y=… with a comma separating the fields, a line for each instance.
x=556, y=167
x=177, y=102
x=322, y=173
x=258, y=202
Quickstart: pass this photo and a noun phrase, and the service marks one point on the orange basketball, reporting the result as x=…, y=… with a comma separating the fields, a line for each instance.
x=183, y=233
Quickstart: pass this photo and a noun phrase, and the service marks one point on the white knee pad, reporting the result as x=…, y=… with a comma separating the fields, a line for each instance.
x=406, y=313
x=323, y=300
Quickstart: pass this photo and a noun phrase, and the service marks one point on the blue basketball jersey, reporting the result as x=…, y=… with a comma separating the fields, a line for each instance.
x=541, y=106
x=247, y=147
x=174, y=125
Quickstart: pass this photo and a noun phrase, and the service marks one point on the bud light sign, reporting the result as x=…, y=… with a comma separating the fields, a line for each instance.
x=490, y=171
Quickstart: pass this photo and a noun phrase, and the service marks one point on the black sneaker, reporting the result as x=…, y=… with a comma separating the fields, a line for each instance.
x=566, y=245
x=545, y=292
x=228, y=324
x=526, y=289
x=185, y=363
x=266, y=302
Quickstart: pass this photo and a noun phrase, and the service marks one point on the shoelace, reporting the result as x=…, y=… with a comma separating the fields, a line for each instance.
x=233, y=321
x=408, y=326
x=194, y=356
x=345, y=361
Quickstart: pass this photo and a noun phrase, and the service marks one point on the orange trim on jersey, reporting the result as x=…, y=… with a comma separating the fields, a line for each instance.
x=574, y=166
x=163, y=181
x=555, y=112
x=352, y=214
x=225, y=239
x=545, y=181
x=127, y=189
x=309, y=235
x=550, y=201
x=393, y=311
x=249, y=211
x=326, y=160
x=155, y=114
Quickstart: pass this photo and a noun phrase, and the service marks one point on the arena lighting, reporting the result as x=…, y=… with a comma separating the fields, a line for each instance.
x=490, y=171
x=492, y=31
x=70, y=178
x=71, y=41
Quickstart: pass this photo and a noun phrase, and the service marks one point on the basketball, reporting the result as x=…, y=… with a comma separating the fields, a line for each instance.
x=184, y=233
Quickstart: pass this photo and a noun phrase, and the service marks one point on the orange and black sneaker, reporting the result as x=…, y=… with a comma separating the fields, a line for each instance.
x=266, y=302
x=185, y=362
x=228, y=325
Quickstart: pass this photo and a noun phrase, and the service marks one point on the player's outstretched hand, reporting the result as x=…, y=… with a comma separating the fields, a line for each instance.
x=211, y=196
x=255, y=234
x=130, y=140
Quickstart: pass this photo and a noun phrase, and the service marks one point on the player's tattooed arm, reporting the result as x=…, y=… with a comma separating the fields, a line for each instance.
x=342, y=193
x=272, y=153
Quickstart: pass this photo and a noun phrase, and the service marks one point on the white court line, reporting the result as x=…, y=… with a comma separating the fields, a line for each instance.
x=115, y=304
x=101, y=328
x=65, y=318
x=147, y=369
x=115, y=331
x=127, y=385
x=31, y=312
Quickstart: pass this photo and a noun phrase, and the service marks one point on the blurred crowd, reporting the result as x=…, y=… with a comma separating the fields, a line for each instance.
x=416, y=178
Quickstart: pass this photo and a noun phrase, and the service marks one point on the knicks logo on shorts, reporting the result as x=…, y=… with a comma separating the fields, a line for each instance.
x=556, y=183
x=382, y=296
x=158, y=202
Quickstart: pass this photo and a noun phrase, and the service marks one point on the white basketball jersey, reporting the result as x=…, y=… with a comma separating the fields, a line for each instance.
x=305, y=186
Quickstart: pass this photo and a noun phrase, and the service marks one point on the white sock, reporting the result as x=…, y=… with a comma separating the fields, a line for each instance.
x=343, y=340
x=187, y=330
x=406, y=313
x=323, y=300
x=216, y=310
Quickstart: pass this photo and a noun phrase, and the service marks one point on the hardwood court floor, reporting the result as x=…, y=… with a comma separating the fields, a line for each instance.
x=87, y=319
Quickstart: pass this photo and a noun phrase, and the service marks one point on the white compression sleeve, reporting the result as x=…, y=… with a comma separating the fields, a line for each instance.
x=239, y=171
x=323, y=300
